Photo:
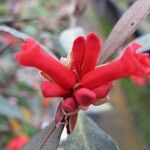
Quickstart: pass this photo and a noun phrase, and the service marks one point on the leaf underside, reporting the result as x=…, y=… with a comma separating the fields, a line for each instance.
x=47, y=139
x=88, y=136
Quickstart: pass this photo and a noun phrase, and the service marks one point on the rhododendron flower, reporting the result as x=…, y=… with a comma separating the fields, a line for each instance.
x=17, y=143
x=81, y=84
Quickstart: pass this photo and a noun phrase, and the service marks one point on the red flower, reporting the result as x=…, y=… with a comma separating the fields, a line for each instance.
x=82, y=84
x=17, y=143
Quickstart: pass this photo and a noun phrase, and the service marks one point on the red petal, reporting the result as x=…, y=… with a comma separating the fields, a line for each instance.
x=129, y=64
x=33, y=55
x=93, y=46
x=78, y=51
x=144, y=58
x=103, y=90
x=69, y=104
x=50, y=89
x=84, y=96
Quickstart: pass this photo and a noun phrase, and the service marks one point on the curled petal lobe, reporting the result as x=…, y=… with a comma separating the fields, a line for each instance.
x=77, y=55
x=85, y=97
x=138, y=63
x=50, y=89
x=129, y=64
x=32, y=55
x=93, y=46
x=144, y=58
x=69, y=104
x=103, y=90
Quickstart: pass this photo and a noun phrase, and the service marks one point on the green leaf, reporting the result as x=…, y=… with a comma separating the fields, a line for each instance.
x=10, y=110
x=88, y=136
x=125, y=27
x=47, y=139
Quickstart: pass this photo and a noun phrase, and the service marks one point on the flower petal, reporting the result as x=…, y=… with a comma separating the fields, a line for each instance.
x=78, y=51
x=33, y=55
x=50, y=89
x=84, y=97
x=144, y=58
x=93, y=46
x=103, y=90
x=129, y=64
x=69, y=104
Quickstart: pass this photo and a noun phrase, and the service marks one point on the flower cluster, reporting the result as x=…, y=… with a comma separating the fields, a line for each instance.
x=81, y=83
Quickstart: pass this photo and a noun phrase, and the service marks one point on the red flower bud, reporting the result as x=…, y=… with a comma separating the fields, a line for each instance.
x=69, y=104
x=50, y=89
x=84, y=96
x=103, y=90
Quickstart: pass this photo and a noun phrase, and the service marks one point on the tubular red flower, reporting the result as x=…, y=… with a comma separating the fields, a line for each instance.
x=77, y=55
x=128, y=64
x=69, y=104
x=103, y=90
x=84, y=97
x=82, y=85
x=33, y=55
x=50, y=89
x=93, y=46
